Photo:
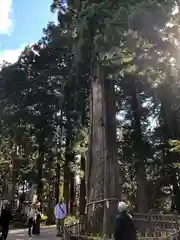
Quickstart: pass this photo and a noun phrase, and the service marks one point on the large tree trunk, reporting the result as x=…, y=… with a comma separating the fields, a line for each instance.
x=112, y=184
x=102, y=163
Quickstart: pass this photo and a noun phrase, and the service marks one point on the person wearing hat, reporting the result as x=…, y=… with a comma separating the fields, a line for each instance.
x=125, y=228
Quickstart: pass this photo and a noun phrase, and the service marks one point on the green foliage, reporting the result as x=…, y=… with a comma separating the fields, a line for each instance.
x=80, y=142
x=175, y=145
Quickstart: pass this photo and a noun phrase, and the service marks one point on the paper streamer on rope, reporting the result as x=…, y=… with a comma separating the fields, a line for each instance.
x=35, y=197
x=93, y=207
x=107, y=204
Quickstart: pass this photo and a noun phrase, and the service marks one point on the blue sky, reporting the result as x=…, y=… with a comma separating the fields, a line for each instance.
x=21, y=23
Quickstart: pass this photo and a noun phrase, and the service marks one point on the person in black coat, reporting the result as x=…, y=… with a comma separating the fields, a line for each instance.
x=6, y=217
x=125, y=228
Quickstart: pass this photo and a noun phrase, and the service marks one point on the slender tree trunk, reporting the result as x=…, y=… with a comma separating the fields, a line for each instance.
x=57, y=184
x=176, y=191
x=142, y=197
x=50, y=212
x=84, y=123
x=51, y=203
x=72, y=193
x=67, y=172
x=82, y=188
x=66, y=187
x=40, y=173
x=15, y=163
x=14, y=177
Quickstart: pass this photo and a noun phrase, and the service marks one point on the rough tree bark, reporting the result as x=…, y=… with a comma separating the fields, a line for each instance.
x=112, y=184
x=102, y=175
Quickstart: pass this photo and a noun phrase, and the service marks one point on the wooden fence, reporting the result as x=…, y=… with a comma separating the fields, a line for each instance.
x=157, y=225
x=149, y=226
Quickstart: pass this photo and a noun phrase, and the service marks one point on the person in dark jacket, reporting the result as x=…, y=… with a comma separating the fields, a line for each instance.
x=6, y=217
x=125, y=228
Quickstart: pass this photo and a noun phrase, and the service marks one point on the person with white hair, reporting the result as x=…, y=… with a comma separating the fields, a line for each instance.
x=125, y=228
